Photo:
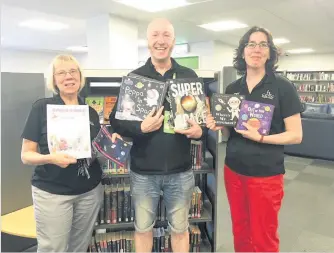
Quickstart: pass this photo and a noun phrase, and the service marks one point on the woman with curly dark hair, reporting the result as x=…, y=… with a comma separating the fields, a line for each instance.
x=254, y=163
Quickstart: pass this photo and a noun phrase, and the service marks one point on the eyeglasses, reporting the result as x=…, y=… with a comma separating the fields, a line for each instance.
x=253, y=45
x=63, y=73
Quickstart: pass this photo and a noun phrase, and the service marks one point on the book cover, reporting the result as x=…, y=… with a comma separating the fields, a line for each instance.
x=138, y=96
x=97, y=103
x=117, y=152
x=68, y=130
x=258, y=115
x=225, y=108
x=109, y=103
x=187, y=101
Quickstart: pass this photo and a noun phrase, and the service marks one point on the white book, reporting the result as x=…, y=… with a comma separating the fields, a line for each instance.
x=68, y=129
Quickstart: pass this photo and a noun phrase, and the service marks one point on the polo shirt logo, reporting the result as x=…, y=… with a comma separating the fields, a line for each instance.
x=268, y=95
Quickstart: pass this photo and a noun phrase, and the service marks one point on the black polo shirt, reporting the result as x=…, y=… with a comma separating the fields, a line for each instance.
x=50, y=177
x=252, y=158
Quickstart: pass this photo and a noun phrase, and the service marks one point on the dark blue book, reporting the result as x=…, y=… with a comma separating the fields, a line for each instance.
x=117, y=152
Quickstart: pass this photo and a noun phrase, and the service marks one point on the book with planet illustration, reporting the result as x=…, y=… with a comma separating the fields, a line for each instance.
x=117, y=152
x=225, y=108
x=258, y=115
x=138, y=96
x=187, y=101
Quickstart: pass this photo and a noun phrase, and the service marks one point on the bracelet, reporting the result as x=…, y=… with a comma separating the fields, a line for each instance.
x=261, y=139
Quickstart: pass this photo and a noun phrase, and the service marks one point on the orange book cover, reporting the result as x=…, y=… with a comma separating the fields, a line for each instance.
x=109, y=103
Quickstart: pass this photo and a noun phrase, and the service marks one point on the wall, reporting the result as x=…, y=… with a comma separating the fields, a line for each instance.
x=213, y=56
x=307, y=62
x=22, y=61
x=18, y=92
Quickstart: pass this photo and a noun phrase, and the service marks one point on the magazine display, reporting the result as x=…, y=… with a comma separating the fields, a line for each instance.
x=138, y=96
x=257, y=115
x=117, y=152
x=68, y=130
x=225, y=108
x=187, y=101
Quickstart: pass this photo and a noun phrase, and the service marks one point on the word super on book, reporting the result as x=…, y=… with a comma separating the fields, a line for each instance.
x=187, y=101
x=138, y=96
x=257, y=115
x=225, y=108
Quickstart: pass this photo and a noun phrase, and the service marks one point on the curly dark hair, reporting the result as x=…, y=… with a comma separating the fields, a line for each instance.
x=239, y=62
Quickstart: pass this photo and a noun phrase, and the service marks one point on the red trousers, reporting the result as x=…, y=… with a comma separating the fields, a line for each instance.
x=254, y=204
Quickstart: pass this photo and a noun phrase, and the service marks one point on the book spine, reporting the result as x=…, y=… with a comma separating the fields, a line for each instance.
x=114, y=202
x=107, y=204
x=126, y=206
x=120, y=199
x=102, y=211
x=132, y=210
x=109, y=243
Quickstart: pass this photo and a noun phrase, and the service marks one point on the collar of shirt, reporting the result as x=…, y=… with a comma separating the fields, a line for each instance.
x=268, y=78
x=61, y=101
x=151, y=67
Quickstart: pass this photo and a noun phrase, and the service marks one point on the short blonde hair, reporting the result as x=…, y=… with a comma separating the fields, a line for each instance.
x=50, y=80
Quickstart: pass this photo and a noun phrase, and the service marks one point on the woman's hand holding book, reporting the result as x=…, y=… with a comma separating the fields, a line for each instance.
x=62, y=160
x=211, y=123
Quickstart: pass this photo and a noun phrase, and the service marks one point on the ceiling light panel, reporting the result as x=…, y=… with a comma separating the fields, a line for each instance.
x=280, y=41
x=78, y=48
x=154, y=6
x=224, y=25
x=45, y=25
x=300, y=51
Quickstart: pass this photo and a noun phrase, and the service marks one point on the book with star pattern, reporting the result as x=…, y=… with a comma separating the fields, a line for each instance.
x=225, y=108
x=138, y=96
x=117, y=152
x=257, y=115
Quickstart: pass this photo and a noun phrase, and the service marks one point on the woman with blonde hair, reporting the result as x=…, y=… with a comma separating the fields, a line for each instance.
x=66, y=201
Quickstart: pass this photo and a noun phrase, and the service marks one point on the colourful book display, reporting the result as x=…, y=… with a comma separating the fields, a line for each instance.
x=258, y=115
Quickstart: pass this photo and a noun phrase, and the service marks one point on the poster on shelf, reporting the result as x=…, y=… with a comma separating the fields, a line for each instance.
x=68, y=130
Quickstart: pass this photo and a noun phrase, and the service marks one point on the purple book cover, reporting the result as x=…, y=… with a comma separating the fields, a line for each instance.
x=258, y=115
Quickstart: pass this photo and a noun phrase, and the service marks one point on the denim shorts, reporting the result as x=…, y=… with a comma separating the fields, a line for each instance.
x=177, y=194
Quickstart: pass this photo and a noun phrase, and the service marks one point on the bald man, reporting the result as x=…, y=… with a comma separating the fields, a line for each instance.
x=160, y=158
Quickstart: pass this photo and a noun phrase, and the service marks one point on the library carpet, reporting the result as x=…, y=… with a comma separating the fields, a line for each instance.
x=306, y=218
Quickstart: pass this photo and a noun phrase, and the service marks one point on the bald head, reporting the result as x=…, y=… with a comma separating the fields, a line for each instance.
x=160, y=25
x=161, y=40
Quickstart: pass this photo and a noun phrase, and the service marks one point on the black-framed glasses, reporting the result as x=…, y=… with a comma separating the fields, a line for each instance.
x=253, y=45
x=72, y=72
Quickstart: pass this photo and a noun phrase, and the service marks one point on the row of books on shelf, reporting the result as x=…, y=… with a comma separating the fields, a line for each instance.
x=311, y=76
x=117, y=206
x=321, y=99
x=110, y=168
x=123, y=241
x=316, y=87
x=103, y=106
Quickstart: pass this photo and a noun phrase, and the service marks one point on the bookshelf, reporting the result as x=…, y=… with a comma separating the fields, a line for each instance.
x=313, y=86
x=106, y=83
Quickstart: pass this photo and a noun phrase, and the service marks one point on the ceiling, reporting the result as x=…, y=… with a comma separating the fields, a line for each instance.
x=306, y=23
